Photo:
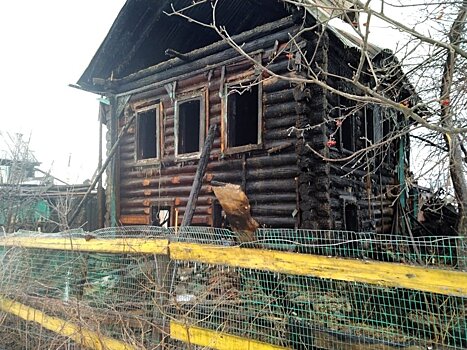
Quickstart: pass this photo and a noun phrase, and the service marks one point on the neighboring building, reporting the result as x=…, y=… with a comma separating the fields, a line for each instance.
x=31, y=202
x=265, y=123
x=13, y=171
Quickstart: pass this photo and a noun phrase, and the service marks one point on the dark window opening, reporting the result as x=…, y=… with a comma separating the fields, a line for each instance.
x=389, y=125
x=370, y=126
x=160, y=216
x=345, y=135
x=374, y=124
x=347, y=132
x=374, y=134
x=217, y=215
x=386, y=127
x=378, y=123
x=189, y=124
x=219, y=219
x=351, y=217
x=389, y=121
x=147, y=134
x=243, y=117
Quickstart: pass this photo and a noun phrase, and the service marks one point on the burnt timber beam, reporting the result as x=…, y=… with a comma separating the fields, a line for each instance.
x=198, y=181
x=210, y=49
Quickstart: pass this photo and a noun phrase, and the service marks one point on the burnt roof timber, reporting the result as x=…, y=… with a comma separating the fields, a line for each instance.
x=125, y=50
x=227, y=53
x=118, y=39
x=141, y=39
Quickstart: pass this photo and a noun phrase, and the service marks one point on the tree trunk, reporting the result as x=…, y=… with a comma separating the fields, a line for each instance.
x=452, y=142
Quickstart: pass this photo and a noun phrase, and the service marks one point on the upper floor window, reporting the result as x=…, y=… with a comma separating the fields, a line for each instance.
x=148, y=133
x=373, y=124
x=243, y=116
x=345, y=123
x=374, y=134
x=189, y=125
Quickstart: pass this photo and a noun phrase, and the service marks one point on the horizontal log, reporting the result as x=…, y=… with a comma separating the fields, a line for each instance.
x=271, y=186
x=271, y=210
x=279, y=134
x=285, y=172
x=342, y=182
x=257, y=161
x=170, y=192
x=135, y=212
x=386, y=212
x=275, y=221
x=358, y=173
x=279, y=96
x=157, y=181
x=149, y=96
x=142, y=202
x=134, y=219
x=269, y=161
x=279, y=67
x=278, y=110
x=144, y=211
x=256, y=176
x=274, y=84
x=272, y=198
x=275, y=147
x=283, y=122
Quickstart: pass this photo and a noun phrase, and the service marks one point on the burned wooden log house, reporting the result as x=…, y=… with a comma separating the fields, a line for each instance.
x=167, y=79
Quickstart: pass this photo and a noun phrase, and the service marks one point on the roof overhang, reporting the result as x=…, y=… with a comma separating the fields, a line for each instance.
x=126, y=48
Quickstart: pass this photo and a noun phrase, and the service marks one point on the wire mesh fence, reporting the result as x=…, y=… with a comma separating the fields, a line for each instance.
x=425, y=251
x=309, y=313
x=290, y=289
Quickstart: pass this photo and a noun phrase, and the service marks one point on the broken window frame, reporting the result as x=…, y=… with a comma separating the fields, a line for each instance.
x=349, y=201
x=351, y=216
x=389, y=128
x=374, y=133
x=376, y=128
x=158, y=143
x=226, y=149
x=157, y=208
x=348, y=121
x=183, y=98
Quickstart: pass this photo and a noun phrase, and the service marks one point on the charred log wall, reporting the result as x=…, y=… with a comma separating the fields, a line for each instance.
x=268, y=174
x=314, y=180
x=288, y=184
x=363, y=183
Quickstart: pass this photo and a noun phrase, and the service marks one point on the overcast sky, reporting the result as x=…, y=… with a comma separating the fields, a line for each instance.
x=46, y=45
